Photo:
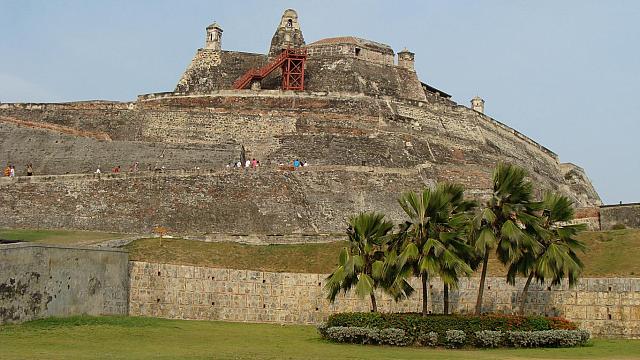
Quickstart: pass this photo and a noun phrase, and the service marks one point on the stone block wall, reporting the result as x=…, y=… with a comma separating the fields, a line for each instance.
x=608, y=307
x=622, y=214
x=371, y=149
x=39, y=281
x=349, y=50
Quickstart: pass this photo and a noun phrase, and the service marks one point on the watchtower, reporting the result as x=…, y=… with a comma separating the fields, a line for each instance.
x=477, y=104
x=406, y=59
x=288, y=34
x=214, y=37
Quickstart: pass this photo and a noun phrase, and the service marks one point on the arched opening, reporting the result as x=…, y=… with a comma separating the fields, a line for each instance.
x=289, y=23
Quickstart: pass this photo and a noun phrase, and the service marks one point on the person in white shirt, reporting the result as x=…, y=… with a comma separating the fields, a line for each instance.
x=98, y=171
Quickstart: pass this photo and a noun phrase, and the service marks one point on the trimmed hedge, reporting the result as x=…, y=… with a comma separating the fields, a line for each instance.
x=489, y=338
x=547, y=338
x=362, y=335
x=454, y=339
x=417, y=326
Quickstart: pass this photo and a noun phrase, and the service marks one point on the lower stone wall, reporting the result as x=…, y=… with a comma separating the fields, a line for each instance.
x=39, y=281
x=627, y=215
x=608, y=307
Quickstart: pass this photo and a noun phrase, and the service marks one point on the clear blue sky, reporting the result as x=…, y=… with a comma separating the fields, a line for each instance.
x=565, y=73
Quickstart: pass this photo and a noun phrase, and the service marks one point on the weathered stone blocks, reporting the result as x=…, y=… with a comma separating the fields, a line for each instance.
x=609, y=307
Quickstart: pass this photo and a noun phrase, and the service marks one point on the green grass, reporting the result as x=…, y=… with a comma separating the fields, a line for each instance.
x=59, y=237
x=146, y=338
x=307, y=258
x=610, y=253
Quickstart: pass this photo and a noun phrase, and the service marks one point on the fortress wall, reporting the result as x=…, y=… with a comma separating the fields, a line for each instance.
x=215, y=70
x=458, y=135
x=330, y=129
x=622, y=214
x=38, y=281
x=52, y=152
x=608, y=307
x=112, y=118
x=262, y=201
x=346, y=74
x=211, y=71
x=344, y=50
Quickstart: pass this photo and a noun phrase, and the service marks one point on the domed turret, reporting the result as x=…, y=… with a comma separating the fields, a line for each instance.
x=406, y=59
x=477, y=104
x=214, y=37
x=288, y=34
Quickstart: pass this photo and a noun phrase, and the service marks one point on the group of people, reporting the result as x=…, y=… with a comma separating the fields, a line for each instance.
x=253, y=163
x=294, y=165
x=10, y=170
x=116, y=170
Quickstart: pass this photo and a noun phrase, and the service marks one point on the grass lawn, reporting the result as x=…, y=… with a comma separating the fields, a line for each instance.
x=306, y=258
x=614, y=252
x=60, y=237
x=603, y=257
x=146, y=338
x=610, y=253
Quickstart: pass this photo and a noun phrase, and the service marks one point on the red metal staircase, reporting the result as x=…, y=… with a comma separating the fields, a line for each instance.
x=291, y=61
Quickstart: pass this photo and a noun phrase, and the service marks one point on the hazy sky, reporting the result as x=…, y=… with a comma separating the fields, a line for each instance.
x=565, y=73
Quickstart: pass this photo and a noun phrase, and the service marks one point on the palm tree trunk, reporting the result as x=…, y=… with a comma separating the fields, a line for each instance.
x=446, y=299
x=483, y=277
x=425, y=293
x=525, y=293
x=374, y=305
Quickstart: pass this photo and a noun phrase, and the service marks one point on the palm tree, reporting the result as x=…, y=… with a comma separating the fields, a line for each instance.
x=499, y=224
x=430, y=242
x=453, y=235
x=557, y=257
x=361, y=264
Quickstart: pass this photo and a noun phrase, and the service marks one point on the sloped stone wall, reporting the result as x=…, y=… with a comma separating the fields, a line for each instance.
x=363, y=152
x=608, y=307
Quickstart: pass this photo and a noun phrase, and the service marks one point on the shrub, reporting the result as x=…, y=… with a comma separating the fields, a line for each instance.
x=322, y=329
x=353, y=334
x=584, y=337
x=415, y=324
x=454, y=339
x=427, y=339
x=489, y=338
x=547, y=338
x=618, y=227
x=397, y=337
x=558, y=323
x=363, y=335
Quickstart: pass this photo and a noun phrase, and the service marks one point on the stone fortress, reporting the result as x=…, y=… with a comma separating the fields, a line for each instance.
x=366, y=124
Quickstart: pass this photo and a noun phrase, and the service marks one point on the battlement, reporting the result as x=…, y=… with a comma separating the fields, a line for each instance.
x=341, y=64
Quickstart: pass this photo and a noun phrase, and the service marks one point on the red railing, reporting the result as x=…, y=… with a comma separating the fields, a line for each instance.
x=292, y=63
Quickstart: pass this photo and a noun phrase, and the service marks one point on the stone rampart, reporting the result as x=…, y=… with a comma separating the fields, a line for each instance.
x=264, y=201
x=608, y=307
x=371, y=148
x=39, y=281
x=627, y=215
